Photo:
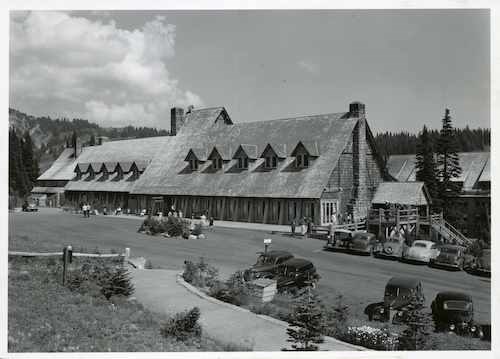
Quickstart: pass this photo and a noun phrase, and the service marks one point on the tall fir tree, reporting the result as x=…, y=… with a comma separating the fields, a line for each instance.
x=418, y=327
x=30, y=163
x=18, y=177
x=92, y=141
x=426, y=169
x=448, y=164
x=306, y=323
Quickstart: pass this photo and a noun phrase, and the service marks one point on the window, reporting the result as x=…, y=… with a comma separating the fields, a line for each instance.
x=217, y=163
x=302, y=161
x=243, y=163
x=275, y=162
x=193, y=164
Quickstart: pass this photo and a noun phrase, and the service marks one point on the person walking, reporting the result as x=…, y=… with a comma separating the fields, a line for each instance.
x=84, y=210
x=211, y=223
x=292, y=225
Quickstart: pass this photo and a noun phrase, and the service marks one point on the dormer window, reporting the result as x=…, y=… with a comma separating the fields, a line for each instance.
x=244, y=154
x=303, y=153
x=194, y=157
x=272, y=154
x=219, y=155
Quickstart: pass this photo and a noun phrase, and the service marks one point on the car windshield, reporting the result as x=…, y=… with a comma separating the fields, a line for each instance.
x=419, y=245
x=391, y=291
x=265, y=259
x=457, y=305
x=449, y=250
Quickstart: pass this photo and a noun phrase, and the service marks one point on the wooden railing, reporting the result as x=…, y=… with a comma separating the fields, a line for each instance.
x=393, y=216
x=325, y=229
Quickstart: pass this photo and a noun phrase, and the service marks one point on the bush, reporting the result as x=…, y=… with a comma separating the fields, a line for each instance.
x=183, y=325
x=111, y=278
x=173, y=226
x=197, y=230
x=200, y=274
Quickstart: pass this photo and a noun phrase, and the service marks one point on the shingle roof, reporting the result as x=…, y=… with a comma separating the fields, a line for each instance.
x=250, y=150
x=98, y=184
x=310, y=146
x=408, y=193
x=473, y=164
x=84, y=167
x=167, y=173
x=125, y=152
x=61, y=168
x=485, y=175
x=47, y=190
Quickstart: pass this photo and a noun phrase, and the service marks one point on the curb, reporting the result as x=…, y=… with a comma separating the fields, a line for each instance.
x=282, y=323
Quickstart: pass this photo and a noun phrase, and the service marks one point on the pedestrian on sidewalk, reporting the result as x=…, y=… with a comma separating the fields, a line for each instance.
x=211, y=223
x=292, y=225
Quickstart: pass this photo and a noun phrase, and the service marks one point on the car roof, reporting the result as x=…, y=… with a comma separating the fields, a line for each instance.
x=343, y=230
x=408, y=282
x=297, y=262
x=451, y=246
x=451, y=295
x=278, y=253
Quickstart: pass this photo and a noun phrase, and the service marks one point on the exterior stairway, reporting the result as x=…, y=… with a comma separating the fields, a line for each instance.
x=449, y=233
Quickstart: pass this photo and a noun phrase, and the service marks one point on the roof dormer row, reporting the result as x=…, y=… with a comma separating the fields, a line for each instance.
x=107, y=168
x=245, y=153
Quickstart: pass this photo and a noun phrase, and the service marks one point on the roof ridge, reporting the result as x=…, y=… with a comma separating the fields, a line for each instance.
x=293, y=118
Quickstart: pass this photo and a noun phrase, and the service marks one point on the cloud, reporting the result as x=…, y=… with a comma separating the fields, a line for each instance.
x=66, y=65
x=308, y=66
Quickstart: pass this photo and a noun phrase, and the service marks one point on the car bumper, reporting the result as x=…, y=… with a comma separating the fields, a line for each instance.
x=445, y=265
x=416, y=259
x=382, y=254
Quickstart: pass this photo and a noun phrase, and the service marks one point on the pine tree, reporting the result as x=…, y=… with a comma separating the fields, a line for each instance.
x=306, y=323
x=426, y=170
x=418, y=324
x=18, y=178
x=92, y=141
x=448, y=164
x=30, y=163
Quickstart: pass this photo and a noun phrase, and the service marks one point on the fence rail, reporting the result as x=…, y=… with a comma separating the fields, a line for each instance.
x=75, y=254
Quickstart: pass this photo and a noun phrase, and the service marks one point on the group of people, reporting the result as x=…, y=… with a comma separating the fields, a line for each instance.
x=303, y=225
x=86, y=210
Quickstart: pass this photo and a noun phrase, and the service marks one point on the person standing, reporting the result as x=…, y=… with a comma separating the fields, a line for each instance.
x=211, y=223
x=293, y=224
x=84, y=210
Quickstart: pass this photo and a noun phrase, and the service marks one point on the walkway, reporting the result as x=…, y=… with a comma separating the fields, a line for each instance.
x=160, y=291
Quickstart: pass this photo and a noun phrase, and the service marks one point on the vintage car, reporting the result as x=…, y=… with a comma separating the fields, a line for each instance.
x=450, y=256
x=454, y=312
x=296, y=273
x=481, y=265
x=363, y=243
x=392, y=248
x=400, y=292
x=421, y=251
x=267, y=263
x=340, y=240
x=29, y=207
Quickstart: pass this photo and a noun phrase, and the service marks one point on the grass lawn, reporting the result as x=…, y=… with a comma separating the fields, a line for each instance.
x=45, y=316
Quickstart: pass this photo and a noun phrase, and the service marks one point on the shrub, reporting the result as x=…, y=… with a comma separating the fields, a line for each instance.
x=174, y=226
x=197, y=230
x=336, y=317
x=200, y=274
x=111, y=278
x=183, y=325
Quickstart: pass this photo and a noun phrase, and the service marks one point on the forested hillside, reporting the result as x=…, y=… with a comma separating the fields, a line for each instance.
x=49, y=135
x=400, y=143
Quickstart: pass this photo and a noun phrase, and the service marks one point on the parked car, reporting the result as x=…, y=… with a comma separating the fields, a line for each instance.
x=450, y=256
x=400, y=292
x=454, y=312
x=392, y=248
x=267, y=263
x=421, y=251
x=481, y=265
x=29, y=207
x=296, y=273
x=363, y=243
x=340, y=240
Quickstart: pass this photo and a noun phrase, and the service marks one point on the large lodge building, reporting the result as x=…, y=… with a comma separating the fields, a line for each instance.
x=263, y=171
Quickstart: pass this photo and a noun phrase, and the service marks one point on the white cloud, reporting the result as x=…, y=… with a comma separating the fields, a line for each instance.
x=65, y=65
x=308, y=66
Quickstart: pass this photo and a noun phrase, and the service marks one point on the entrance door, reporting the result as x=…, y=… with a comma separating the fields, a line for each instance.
x=329, y=208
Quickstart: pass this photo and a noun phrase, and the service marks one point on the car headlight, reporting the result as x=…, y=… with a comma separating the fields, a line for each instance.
x=473, y=328
x=388, y=250
x=452, y=326
x=400, y=314
x=381, y=310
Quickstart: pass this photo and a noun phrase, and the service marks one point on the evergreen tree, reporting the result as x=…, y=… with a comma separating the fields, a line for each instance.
x=92, y=141
x=418, y=325
x=306, y=323
x=448, y=164
x=30, y=163
x=426, y=170
x=18, y=179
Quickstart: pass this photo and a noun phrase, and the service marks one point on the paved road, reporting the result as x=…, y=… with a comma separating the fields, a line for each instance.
x=360, y=279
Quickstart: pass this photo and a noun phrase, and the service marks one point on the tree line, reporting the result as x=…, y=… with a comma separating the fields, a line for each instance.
x=403, y=143
x=23, y=164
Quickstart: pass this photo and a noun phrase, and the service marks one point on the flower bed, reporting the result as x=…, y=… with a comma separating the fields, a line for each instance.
x=171, y=227
x=371, y=338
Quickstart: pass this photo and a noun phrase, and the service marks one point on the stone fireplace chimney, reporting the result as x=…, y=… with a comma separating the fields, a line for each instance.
x=176, y=120
x=360, y=148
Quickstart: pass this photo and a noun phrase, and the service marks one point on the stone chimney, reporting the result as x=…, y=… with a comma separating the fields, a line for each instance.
x=176, y=120
x=360, y=148
x=76, y=144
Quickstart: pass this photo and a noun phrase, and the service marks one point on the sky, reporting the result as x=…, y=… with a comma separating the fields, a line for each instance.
x=120, y=68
